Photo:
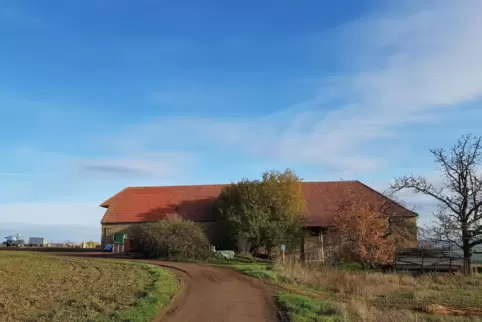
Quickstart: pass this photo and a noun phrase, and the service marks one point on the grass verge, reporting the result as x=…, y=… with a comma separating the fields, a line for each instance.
x=159, y=295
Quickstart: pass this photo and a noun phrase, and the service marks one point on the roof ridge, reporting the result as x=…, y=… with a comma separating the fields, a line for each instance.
x=180, y=185
x=226, y=184
x=330, y=181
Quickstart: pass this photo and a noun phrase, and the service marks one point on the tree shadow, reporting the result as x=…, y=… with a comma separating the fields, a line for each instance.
x=200, y=210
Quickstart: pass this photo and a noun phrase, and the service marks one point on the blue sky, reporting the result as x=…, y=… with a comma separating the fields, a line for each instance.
x=99, y=95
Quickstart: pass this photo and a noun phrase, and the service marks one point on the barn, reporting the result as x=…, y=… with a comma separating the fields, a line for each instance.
x=136, y=205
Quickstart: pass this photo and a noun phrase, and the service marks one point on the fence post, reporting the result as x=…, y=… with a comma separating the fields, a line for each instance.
x=395, y=262
x=422, y=260
x=302, y=247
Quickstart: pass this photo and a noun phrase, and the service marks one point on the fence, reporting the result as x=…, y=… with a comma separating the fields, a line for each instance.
x=415, y=259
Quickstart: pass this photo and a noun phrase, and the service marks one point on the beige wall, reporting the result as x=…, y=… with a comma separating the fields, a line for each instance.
x=108, y=230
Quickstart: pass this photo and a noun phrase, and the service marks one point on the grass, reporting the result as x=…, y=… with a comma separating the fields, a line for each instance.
x=39, y=287
x=257, y=270
x=389, y=289
x=299, y=308
x=347, y=293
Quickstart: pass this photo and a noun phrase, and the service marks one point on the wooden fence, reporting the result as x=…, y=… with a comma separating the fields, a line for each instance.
x=423, y=260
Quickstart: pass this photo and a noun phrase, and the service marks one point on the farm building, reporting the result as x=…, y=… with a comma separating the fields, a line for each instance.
x=136, y=205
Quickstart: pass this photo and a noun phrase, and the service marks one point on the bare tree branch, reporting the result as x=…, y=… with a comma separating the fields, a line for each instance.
x=459, y=217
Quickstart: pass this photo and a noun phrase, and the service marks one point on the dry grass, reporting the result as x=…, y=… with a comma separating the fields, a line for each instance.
x=375, y=296
x=37, y=287
x=362, y=311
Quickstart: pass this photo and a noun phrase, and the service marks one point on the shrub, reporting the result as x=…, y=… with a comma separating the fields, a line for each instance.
x=174, y=238
x=247, y=257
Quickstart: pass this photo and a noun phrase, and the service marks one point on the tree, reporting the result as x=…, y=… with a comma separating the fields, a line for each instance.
x=458, y=219
x=239, y=216
x=261, y=213
x=364, y=231
x=284, y=201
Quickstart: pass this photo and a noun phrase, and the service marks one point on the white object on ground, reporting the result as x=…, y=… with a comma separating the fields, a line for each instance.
x=224, y=254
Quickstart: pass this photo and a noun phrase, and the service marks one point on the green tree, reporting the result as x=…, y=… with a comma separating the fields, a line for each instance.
x=261, y=213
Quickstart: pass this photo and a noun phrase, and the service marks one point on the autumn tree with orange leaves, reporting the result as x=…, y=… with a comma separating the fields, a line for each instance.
x=364, y=232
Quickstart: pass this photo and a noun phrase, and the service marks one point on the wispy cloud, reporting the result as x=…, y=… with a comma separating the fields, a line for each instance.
x=18, y=174
x=410, y=63
x=139, y=163
x=78, y=213
x=115, y=169
x=157, y=165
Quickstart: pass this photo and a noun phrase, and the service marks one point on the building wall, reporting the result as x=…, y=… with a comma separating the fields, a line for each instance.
x=108, y=230
x=326, y=248
x=405, y=235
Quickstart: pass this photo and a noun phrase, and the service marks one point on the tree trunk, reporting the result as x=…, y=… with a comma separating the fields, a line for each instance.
x=467, y=254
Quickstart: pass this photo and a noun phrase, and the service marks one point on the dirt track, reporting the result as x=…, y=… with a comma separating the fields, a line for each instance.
x=212, y=294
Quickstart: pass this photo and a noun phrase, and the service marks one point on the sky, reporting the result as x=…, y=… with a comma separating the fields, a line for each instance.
x=99, y=95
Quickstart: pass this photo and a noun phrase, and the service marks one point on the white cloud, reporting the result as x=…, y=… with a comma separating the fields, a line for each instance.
x=406, y=64
x=403, y=65
x=52, y=213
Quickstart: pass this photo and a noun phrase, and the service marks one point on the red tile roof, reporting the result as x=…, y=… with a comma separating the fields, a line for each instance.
x=144, y=204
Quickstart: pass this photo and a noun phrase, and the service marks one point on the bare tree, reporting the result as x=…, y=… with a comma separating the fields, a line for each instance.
x=458, y=219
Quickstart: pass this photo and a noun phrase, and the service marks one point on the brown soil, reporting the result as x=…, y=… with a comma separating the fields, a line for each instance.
x=212, y=294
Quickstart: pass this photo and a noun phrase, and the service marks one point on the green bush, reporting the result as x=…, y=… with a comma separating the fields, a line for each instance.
x=174, y=239
x=245, y=257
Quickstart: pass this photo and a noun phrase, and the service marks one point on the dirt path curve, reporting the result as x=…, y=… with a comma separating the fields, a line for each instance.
x=212, y=294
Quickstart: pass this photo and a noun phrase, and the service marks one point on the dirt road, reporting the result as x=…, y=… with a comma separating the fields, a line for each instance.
x=212, y=294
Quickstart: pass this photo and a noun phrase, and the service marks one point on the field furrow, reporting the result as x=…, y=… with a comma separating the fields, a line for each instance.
x=38, y=287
